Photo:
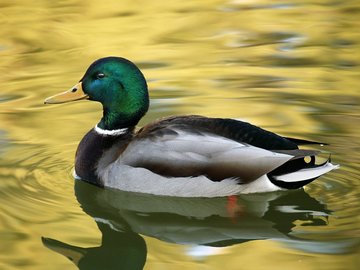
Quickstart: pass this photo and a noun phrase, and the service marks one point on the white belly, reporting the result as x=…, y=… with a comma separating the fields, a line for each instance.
x=142, y=180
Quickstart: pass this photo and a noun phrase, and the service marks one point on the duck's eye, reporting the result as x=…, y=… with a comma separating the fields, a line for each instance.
x=100, y=75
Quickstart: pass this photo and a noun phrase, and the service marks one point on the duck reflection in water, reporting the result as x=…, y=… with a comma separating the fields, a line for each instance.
x=217, y=222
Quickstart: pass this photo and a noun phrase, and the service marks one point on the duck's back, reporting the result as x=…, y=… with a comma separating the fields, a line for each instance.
x=232, y=129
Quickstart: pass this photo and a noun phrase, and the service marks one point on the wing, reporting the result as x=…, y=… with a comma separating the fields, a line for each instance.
x=304, y=142
x=178, y=150
x=232, y=129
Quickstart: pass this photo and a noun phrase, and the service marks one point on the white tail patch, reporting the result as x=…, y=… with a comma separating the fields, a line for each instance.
x=306, y=174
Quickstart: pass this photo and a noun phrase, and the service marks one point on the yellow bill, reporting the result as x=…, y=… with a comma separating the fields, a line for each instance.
x=75, y=93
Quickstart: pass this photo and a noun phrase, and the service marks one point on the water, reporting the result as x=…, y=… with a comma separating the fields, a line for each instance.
x=291, y=67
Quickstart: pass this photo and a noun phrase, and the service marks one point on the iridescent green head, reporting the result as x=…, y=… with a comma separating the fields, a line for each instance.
x=118, y=85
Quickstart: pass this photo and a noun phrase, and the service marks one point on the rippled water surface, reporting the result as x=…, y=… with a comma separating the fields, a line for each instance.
x=288, y=66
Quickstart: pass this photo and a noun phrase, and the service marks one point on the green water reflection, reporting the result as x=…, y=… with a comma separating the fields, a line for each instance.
x=208, y=225
x=288, y=66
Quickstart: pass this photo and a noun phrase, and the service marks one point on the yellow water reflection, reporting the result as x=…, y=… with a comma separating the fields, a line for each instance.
x=291, y=67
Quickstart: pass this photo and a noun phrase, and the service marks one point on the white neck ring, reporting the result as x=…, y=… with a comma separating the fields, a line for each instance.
x=114, y=132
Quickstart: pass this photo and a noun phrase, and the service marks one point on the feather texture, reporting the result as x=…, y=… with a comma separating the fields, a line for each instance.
x=174, y=157
x=216, y=157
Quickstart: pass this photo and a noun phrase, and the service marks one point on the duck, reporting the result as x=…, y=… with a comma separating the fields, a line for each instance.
x=179, y=156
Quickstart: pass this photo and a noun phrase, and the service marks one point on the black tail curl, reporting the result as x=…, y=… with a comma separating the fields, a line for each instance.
x=293, y=166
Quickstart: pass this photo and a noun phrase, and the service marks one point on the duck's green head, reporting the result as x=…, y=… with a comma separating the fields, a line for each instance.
x=118, y=85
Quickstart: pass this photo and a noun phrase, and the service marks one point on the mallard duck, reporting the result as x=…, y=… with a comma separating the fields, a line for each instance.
x=185, y=156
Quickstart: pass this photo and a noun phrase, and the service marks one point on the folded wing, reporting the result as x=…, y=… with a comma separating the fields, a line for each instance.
x=174, y=152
